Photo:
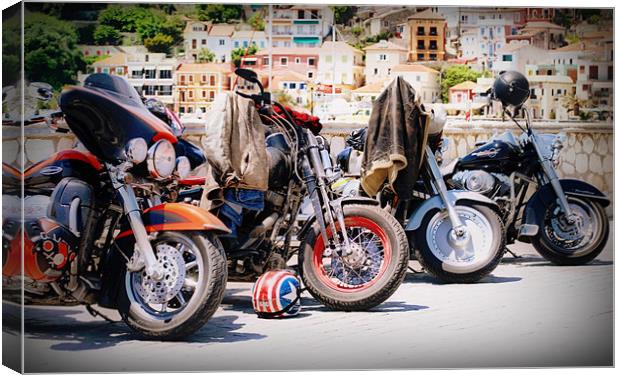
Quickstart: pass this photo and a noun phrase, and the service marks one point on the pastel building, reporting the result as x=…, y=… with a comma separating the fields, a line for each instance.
x=381, y=58
x=220, y=42
x=196, y=86
x=301, y=25
x=195, y=37
x=427, y=36
x=340, y=64
x=301, y=60
x=246, y=38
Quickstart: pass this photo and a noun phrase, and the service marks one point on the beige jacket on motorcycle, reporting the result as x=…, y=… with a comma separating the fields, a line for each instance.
x=234, y=144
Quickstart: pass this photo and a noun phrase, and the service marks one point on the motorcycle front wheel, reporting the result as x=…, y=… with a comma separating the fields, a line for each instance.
x=460, y=262
x=187, y=296
x=369, y=274
x=564, y=243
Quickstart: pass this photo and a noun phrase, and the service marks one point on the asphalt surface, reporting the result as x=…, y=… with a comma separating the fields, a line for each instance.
x=529, y=313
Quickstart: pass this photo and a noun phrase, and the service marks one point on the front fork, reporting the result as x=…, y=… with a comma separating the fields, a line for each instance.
x=459, y=234
x=144, y=257
x=552, y=175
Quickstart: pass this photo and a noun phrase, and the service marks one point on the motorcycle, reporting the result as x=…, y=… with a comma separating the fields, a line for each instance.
x=95, y=230
x=351, y=256
x=564, y=219
x=455, y=234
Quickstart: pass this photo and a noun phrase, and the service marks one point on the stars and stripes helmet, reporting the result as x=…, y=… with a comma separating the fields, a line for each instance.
x=276, y=294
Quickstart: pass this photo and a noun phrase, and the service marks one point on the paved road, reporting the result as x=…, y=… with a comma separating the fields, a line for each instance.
x=528, y=313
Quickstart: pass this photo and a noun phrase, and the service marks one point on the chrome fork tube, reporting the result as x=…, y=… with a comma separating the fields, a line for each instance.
x=133, y=212
x=551, y=174
x=459, y=229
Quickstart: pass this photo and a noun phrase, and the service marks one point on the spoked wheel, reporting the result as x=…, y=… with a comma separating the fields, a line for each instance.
x=188, y=294
x=368, y=272
x=565, y=243
x=455, y=260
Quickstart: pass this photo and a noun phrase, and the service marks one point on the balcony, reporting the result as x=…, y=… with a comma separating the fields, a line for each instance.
x=421, y=47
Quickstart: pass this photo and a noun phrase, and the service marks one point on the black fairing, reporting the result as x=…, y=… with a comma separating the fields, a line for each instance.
x=193, y=153
x=494, y=156
x=106, y=113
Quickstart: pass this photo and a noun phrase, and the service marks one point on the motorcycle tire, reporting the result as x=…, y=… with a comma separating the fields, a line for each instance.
x=549, y=242
x=141, y=297
x=385, y=246
x=435, y=253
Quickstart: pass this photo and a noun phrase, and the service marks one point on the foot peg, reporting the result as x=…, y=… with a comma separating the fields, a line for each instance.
x=528, y=230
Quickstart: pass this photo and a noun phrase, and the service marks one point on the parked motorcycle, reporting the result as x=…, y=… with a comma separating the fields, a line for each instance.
x=564, y=219
x=456, y=235
x=352, y=255
x=95, y=230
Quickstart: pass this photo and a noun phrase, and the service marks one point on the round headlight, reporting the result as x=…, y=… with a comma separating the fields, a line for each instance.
x=136, y=150
x=183, y=167
x=161, y=159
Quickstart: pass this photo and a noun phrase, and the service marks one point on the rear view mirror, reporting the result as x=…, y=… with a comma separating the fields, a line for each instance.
x=247, y=74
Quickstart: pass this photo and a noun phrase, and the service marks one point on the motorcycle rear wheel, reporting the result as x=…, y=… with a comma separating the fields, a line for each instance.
x=188, y=295
x=349, y=283
x=452, y=264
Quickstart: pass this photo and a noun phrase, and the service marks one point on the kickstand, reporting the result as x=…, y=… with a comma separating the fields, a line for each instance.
x=91, y=310
x=414, y=270
x=513, y=254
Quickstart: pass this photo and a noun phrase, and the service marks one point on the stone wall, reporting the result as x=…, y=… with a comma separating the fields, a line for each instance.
x=587, y=156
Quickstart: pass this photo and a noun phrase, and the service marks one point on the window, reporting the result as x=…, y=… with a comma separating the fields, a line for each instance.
x=194, y=43
x=311, y=61
x=432, y=57
x=417, y=78
x=150, y=74
x=420, y=56
x=165, y=90
x=203, y=78
x=203, y=42
x=204, y=93
x=297, y=60
x=382, y=57
x=181, y=109
x=300, y=13
x=292, y=85
x=212, y=80
x=310, y=75
x=507, y=58
x=265, y=60
x=433, y=44
x=190, y=109
x=420, y=44
x=389, y=71
x=344, y=59
x=136, y=74
x=190, y=94
x=376, y=71
x=211, y=95
x=222, y=42
x=245, y=44
x=191, y=78
x=433, y=30
x=283, y=61
x=120, y=70
x=302, y=86
x=262, y=44
x=328, y=59
x=420, y=30
x=236, y=44
x=165, y=74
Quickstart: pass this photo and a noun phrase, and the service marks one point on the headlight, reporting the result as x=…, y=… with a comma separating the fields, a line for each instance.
x=136, y=150
x=183, y=167
x=161, y=159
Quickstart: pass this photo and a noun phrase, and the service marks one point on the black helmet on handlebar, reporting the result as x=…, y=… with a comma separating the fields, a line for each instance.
x=511, y=88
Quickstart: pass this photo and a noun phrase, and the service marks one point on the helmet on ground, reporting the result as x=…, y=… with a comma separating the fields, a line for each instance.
x=276, y=294
x=511, y=88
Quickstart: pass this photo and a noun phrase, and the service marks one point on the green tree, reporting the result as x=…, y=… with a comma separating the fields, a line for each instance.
x=50, y=50
x=342, y=14
x=283, y=98
x=454, y=75
x=219, y=13
x=205, y=56
x=11, y=50
x=238, y=53
x=105, y=34
x=257, y=21
x=159, y=43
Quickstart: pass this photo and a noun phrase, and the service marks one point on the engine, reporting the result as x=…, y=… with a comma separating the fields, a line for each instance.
x=474, y=180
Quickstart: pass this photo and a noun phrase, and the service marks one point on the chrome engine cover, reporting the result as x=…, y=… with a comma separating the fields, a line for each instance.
x=477, y=181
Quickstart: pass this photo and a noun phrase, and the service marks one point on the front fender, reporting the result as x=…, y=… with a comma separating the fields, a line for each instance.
x=545, y=196
x=345, y=201
x=176, y=217
x=454, y=196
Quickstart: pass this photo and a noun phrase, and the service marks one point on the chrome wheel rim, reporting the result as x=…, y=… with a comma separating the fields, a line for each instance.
x=184, y=271
x=575, y=238
x=468, y=256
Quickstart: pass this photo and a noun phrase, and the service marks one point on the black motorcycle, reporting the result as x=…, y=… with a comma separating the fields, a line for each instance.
x=564, y=219
x=95, y=230
x=455, y=234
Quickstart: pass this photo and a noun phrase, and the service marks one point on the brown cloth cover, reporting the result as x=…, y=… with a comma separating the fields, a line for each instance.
x=234, y=144
x=397, y=133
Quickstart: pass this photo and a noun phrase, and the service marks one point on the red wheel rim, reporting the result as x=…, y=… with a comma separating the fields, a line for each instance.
x=352, y=222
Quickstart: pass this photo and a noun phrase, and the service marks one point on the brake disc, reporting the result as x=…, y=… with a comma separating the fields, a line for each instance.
x=161, y=291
